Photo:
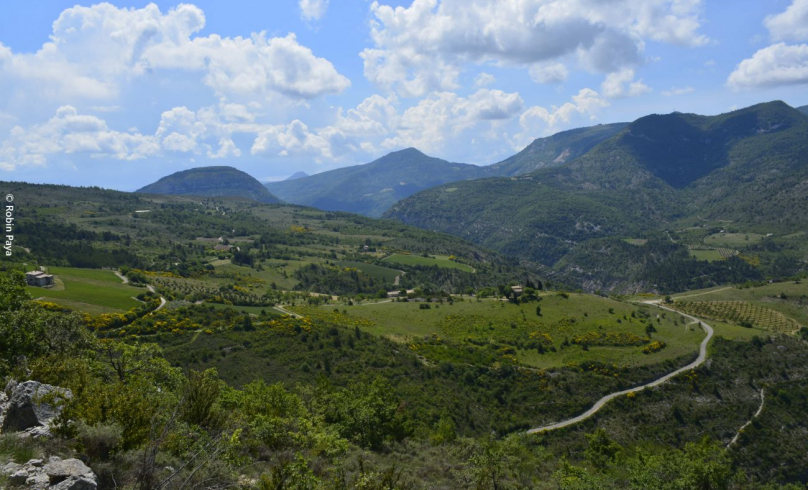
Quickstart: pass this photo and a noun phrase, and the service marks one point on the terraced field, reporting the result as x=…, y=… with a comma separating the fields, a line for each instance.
x=741, y=313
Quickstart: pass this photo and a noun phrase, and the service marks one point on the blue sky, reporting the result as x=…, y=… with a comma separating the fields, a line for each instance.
x=122, y=93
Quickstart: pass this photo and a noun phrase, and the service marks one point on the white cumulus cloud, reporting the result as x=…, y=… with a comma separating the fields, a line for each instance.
x=484, y=79
x=313, y=9
x=550, y=72
x=95, y=50
x=621, y=84
x=791, y=25
x=426, y=46
x=776, y=65
x=69, y=132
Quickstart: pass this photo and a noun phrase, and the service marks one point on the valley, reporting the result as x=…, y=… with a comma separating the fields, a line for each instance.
x=535, y=319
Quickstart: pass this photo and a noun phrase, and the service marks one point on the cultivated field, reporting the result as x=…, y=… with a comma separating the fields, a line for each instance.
x=788, y=298
x=440, y=261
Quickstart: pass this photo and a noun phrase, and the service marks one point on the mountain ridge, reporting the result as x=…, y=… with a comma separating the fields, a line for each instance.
x=371, y=188
x=214, y=181
x=386, y=180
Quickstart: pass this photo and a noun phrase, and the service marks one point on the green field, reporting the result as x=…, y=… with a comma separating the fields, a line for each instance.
x=440, y=261
x=253, y=310
x=733, y=239
x=470, y=324
x=89, y=290
x=375, y=271
x=636, y=241
x=708, y=255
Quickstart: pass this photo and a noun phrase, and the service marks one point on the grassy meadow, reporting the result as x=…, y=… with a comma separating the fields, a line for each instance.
x=440, y=261
x=88, y=290
x=495, y=331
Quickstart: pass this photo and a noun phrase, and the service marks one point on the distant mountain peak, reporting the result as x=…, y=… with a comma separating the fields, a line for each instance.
x=409, y=151
x=214, y=181
x=372, y=188
x=297, y=175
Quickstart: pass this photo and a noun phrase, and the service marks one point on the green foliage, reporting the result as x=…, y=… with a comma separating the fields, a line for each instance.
x=601, y=450
x=12, y=291
x=200, y=402
x=368, y=413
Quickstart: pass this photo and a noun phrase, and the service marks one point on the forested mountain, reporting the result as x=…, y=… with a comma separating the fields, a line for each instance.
x=372, y=188
x=211, y=182
x=803, y=109
x=554, y=150
x=744, y=167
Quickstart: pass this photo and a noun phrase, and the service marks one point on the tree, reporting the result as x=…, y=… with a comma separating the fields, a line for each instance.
x=12, y=291
x=200, y=399
x=601, y=450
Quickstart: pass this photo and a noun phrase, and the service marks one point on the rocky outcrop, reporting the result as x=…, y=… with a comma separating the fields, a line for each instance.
x=56, y=474
x=31, y=406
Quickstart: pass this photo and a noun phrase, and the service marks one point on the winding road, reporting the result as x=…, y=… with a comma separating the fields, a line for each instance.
x=162, y=299
x=606, y=399
x=287, y=312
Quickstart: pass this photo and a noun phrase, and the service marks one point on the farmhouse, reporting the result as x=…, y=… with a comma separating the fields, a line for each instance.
x=393, y=294
x=38, y=278
x=517, y=290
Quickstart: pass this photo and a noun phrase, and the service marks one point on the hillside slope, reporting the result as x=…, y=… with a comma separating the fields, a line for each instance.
x=372, y=188
x=554, y=150
x=803, y=109
x=746, y=166
x=211, y=182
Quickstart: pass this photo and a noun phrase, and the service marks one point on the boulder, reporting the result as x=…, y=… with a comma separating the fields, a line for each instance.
x=76, y=483
x=10, y=468
x=37, y=481
x=31, y=404
x=18, y=477
x=59, y=470
x=59, y=474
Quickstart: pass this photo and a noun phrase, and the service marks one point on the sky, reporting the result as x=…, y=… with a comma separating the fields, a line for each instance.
x=120, y=94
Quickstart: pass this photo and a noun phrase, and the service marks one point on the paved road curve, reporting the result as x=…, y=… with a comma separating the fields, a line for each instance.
x=603, y=401
x=162, y=299
x=287, y=312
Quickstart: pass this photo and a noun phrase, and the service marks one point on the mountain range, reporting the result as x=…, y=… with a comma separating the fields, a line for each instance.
x=371, y=189
x=745, y=167
x=566, y=202
x=217, y=181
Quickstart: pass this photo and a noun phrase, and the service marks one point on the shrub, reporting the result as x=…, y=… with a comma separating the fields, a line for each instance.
x=100, y=440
